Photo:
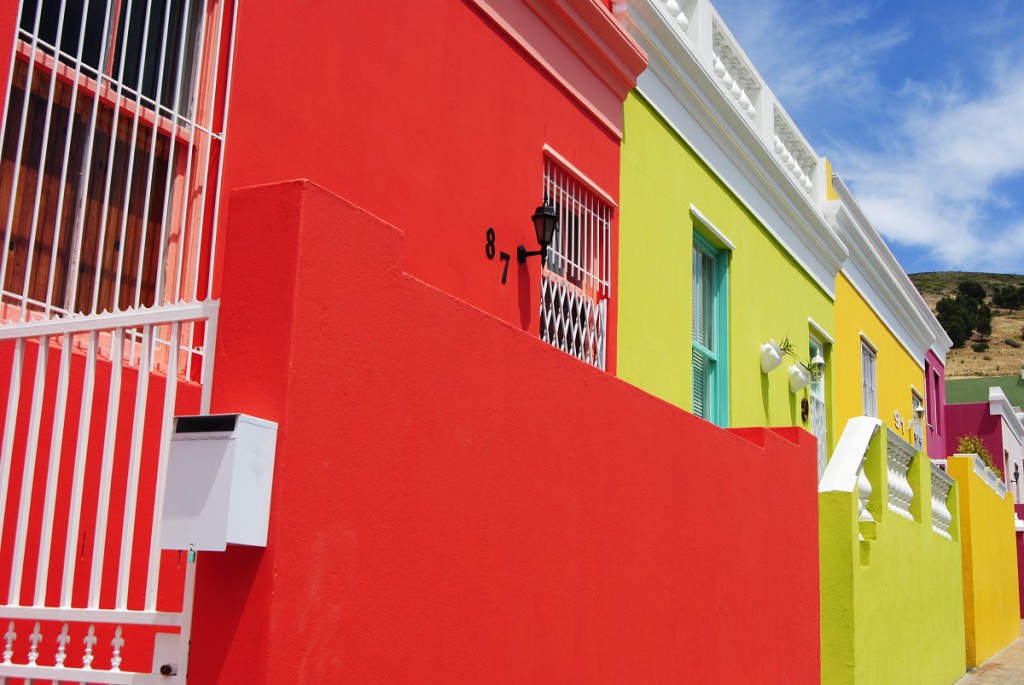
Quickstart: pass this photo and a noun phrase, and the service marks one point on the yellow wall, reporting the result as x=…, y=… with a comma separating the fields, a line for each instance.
x=896, y=370
x=989, y=548
x=897, y=592
x=770, y=295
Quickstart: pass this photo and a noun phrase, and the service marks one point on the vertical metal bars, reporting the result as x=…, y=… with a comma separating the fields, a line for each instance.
x=110, y=149
x=576, y=282
x=97, y=475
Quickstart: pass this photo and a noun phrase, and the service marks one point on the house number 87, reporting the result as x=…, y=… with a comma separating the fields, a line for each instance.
x=490, y=249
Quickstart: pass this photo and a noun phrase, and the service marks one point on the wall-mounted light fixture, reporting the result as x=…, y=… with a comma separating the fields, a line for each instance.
x=1016, y=473
x=919, y=413
x=817, y=366
x=545, y=223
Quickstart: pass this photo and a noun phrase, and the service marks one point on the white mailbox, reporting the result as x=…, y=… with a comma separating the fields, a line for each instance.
x=220, y=470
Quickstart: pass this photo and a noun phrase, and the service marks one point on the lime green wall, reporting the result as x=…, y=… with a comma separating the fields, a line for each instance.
x=770, y=295
x=991, y=603
x=896, y=369
x=892, y=604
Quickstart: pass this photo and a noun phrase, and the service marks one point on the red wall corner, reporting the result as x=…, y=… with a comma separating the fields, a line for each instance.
x=427, y=526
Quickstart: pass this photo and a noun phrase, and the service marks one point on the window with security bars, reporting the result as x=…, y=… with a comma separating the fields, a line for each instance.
x=869, y=392
x=576, y=281
x=111, y=137
x=708, y=343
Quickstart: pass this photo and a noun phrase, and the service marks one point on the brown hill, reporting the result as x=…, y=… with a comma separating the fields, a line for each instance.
x=1005, y=353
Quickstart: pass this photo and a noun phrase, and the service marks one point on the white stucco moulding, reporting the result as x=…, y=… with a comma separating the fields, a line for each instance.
x=999, y=405
x=681, y=87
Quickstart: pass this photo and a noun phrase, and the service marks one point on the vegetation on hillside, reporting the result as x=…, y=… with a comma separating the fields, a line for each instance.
x=964, y=313
x=992, y=311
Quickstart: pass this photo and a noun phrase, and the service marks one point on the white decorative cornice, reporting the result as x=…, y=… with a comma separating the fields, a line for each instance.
x=564, y=35
x=681, y=85
x=877, y=275
x=999, y=405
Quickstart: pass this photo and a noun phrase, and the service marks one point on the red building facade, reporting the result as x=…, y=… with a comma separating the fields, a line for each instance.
x=453, y=499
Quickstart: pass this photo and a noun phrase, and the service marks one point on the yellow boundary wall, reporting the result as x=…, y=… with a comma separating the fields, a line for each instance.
x=991, y=601
x=892, y=604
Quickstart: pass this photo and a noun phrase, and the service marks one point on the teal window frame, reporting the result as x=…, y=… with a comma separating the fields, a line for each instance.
x=716, y=400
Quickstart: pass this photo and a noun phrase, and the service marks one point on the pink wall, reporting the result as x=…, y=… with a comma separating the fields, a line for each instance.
x=975, y=418
x=936, y=406
x=442, y=137
x=456, y=501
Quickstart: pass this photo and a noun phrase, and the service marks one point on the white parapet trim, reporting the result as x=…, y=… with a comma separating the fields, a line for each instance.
x=848, y=458
x=986, y=474
x=999, y=405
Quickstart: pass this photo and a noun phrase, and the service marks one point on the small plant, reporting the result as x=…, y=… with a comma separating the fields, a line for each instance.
x=972, y=444
x=787, y=348
x=1012, y=343
x=979, y=346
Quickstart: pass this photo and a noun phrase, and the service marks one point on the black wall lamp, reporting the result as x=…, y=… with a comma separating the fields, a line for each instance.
x=1016, y=473
x=545, y=223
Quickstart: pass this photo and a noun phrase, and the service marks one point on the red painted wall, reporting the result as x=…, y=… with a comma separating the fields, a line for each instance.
x=456, y=501
x=425, y=113
x=974, y=418
x=936, y=406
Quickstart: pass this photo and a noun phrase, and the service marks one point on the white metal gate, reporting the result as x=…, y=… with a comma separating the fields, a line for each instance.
x=87, y=595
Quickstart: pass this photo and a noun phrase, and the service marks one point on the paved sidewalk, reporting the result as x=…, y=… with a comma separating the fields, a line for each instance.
x=1005, y=668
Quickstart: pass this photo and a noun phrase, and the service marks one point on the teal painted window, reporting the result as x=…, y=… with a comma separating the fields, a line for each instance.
x=710, y=332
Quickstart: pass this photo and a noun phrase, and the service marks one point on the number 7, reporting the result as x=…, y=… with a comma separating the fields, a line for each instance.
x=505, y=257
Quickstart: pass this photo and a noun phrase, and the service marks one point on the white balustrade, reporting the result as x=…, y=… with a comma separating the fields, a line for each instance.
x=863, y=496
x=793, y=153
x=678, y=13
x=899, y=455
x=845, y=470
x=942, y=518
x=734, y=74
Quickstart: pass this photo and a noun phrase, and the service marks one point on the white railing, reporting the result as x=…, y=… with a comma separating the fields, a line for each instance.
x=111, y=155
x=793, y=152
x=899, y=455
x=576, y=281
x=87, y=580
x=845, y=470
x=942, y=518
x=735, y=75
x=986, y=474
x=697, y=26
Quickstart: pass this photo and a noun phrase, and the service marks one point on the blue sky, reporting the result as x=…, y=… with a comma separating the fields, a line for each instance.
x=920, y=107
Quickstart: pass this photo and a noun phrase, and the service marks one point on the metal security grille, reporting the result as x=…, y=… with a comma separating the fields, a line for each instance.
x=111, y=138
x=86, y=591
x=576, y=281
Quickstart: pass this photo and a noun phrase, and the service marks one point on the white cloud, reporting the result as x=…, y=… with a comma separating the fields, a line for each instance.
x=933, y=148
x=825, y=48
x=945, y=188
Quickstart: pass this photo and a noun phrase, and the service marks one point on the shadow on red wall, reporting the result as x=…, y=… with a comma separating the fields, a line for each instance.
x=456, y=501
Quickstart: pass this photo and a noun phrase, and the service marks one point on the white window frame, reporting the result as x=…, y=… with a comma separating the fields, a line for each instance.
x=869, y=377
